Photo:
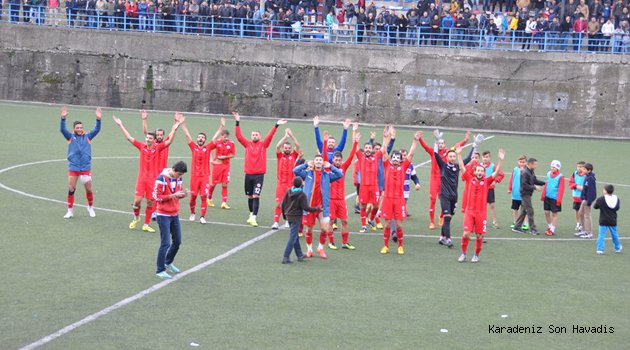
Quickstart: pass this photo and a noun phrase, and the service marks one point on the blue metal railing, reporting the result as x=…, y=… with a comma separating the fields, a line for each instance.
x=310, y=30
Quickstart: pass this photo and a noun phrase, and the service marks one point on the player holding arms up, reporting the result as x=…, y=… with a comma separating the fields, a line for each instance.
x=287, y=155
x=476, y=211
x=200, y=165
x=394, y=206
x=223, y=153
x=79, y=159
x=255, y=164
x=147, y=171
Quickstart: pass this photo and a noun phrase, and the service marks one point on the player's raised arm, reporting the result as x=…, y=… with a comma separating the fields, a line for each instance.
x=318, y=137
x=221, y=128
x=426, y=147
x=501, y=155
x=412, y=149
x=344, y=135
x=296, y=144
x=386, y=138
x=97, y=128
x=460, y=161
x=122, y=128
x=463, y=142
x=144, y=116
x=180, y=119
x=272, y=132
x=186, y=133
x=281, y=142
x=62, y=126
x=237, y=130
x=355, y=144
x=390, y=144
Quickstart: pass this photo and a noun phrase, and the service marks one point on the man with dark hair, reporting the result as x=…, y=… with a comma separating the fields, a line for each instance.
x=79, y=159
x=589, y=194
x=255, y=165
x=331, y=147
x=529, y=184
x=167, y=192
x=148, y=169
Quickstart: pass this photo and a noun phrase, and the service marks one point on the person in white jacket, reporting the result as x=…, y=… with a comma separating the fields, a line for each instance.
x=607, y=31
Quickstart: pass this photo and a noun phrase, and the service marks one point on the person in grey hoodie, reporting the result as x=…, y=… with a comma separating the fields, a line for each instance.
x=608, y=204
x=293, y=206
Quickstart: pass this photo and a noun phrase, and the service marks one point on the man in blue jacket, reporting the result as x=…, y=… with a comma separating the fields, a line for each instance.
x=317, y=176
x=589, y=194
x=332, y=145
x=79, y=159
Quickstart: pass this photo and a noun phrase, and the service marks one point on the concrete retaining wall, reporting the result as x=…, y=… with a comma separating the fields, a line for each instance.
x=530, y=92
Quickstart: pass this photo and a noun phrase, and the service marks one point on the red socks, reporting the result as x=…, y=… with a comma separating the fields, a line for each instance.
x=478, y=244
x=210, y=191
x=373, y=214
x=363, y=217
x=147, y=214
x=70, y=199
x=309, y=238
x=192, y=203
x=399, y=236
x=387, y=233
x=204, y=206
x=432, y=211
x=276, y=214
x=224, y=194
x=331, y=237
x=136, y=210
x=322, y=237
x=465, y=241
x=89, y=196
x=344, y=237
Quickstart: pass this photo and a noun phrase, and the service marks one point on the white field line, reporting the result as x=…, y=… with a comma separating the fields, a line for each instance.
x=144, y=293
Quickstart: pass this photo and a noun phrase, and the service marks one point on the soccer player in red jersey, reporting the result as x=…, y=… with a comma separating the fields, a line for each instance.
x=225, y=150
x=487, y=163
x=148, y=170
x=79, y=159
x=255, y=164
x=338, y=207
x=159, y=138
x=476, y=211
x=368, y=169
x=434, y=179
x=286, y=155
x=200, y=165
x=394, y=206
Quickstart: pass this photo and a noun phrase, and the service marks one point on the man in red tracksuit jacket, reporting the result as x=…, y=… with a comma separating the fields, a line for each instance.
x=255, y=164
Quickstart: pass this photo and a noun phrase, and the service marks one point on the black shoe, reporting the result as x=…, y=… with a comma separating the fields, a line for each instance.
x=286, y=260
x=302, y=258
x=534, y=232
x=449, y=244
x=357, y=210
x=394, y=238
x=408, y=215
x=518, y=230
x=441, y=242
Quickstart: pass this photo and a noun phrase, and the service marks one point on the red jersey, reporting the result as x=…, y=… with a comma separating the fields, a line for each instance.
x=368, y=166
x=338, y=188
x=255, y=152
x=164, y=187
x=316, y=195
x=395, y=178
x=285, y=166
x=162, y=156
x=224, y=149
x=477, y=193
x=469, y=168
x=200, y=164
x=149, y=158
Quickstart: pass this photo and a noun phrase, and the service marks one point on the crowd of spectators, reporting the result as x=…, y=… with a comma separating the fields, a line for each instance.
x=590, y=25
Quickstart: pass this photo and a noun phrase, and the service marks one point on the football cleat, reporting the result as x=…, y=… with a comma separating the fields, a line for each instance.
x=334, y=226
x=599, y=252
x=431, y=226
x=147, y=228
x=253, y=222
x=474, y=259
x=286, y=225
x=69, y=214
x=210, y=203
x=462, y=258
x=225, y=206
x=363, y=229
x=379, y=226
x=275, y=226
x=348, y=246
x=525, y=227
x=518, y=230
x=495, y=224
x=618, y=251
x=134, y=223
x=332, y=246
x=586, y=235
x=309, y=254
x=163, y=275
x=385, y=250
x=91, y=212
x=172, y=268
x=202, y=220
x=401, y=251
x=322, y=253
x=449, y=243
x=191, y=217
x=549, y=232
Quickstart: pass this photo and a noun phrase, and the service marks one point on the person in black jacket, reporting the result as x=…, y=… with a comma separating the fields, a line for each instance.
x=293, y=206
x=608, y=204
x=589, y=194
x=529, y=184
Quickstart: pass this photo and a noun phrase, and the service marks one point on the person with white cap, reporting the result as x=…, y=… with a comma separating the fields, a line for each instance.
x=552, y=194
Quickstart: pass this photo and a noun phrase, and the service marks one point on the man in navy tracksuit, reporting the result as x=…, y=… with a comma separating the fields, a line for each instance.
x=589, y=194
x=79, y=159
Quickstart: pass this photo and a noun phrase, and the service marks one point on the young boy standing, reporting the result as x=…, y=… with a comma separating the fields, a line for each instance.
x=608, y=205
x=529, y=184
x=514, y=187
x=576, y=181
x=294, y=204
x=552, y=194
x=589, y=194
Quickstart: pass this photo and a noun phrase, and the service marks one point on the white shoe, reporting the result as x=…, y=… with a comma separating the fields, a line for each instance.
x=462, y=258
x=586, y=235
x=69, y=214
x=619, y=250
x=192, y=217
x=91, y=212
x=474, y=259
x=202, y=220
x=286, y=225
x=274, y=226
x=599, y=252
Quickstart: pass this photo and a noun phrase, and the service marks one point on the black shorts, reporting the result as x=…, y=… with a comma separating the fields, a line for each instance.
x=254, y=184
x=550, y=205
x=448, y=205
x=577, y=205
x=358, y=188
x=491, y=195
x=516, y=204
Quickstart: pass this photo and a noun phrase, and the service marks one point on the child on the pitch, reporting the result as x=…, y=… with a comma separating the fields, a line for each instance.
x=514, y=188
x=489, y=166
x=589, y=194
x=476, y=211
x=576, y=181
x=294, y=204
x=608, y=205
x=552, y=194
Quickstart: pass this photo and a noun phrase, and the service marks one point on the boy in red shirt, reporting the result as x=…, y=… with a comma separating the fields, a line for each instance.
x=394, y=206
x=476, y=211
x=167, y=192
x=147, y=170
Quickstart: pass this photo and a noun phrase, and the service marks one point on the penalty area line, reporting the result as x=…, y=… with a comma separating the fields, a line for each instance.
x=144, y=293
